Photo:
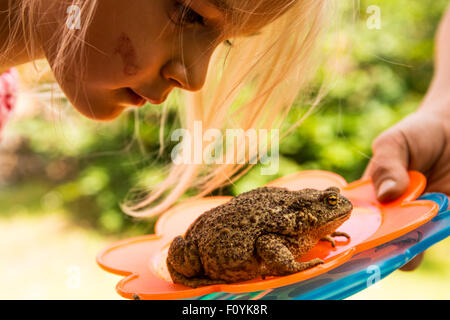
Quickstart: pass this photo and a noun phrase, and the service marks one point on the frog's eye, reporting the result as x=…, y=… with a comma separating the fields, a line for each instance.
x=332, y=200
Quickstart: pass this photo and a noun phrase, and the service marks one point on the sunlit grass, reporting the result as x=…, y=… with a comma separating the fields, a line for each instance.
x=46, y=257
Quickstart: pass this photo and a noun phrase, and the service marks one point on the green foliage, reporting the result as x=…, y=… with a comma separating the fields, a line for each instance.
x=378, y=76
x=86, y=169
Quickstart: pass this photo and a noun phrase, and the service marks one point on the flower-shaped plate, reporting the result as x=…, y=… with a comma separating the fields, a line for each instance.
x=142, y=260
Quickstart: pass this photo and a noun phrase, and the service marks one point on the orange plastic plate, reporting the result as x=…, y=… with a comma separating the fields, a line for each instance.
x=142, y=259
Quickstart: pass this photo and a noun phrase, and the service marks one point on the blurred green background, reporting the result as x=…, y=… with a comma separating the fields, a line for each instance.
x=62, y=176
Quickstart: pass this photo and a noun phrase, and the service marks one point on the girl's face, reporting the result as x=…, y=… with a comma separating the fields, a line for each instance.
x=138, y=51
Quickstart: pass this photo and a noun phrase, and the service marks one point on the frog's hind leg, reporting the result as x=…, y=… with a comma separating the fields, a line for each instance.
x=190, y=282
x=278, y=259
x=184, y=258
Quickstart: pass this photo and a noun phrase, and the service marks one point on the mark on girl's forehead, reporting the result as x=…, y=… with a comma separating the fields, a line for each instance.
x=127, y=52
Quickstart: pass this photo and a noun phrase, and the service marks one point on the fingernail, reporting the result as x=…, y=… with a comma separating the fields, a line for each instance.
x=385, y=187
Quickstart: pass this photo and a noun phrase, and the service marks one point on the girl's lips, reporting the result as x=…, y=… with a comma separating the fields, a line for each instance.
x=136, y=99
x=156, y=101
x=153, y=101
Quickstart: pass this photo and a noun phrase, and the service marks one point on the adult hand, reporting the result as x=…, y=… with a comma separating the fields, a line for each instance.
x=419, y=142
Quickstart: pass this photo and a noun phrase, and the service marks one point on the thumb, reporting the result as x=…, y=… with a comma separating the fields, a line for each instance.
x=388, y=167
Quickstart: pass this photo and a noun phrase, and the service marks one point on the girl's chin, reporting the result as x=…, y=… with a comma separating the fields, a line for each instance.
x=106, y=106
x=106, y=114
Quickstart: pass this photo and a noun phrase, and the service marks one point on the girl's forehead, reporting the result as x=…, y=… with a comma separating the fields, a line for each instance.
x=249, y=16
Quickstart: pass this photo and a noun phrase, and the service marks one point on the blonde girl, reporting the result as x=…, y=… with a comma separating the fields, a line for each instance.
x=239, y=64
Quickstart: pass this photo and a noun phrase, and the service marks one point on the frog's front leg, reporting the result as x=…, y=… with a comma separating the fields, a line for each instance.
x=334, y=234
x=278, y=259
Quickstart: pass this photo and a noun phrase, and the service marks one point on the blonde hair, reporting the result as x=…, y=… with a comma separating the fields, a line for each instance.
x=251, y=85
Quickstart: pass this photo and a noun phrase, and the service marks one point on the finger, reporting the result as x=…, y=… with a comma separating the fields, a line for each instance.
x=388, y=167
x=414, y=263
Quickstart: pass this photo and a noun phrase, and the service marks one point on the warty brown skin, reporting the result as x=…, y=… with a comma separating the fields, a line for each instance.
x=258, y=233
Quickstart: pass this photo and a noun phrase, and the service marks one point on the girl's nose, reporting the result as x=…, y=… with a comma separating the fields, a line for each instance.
x=189, y=72
x=177, y=74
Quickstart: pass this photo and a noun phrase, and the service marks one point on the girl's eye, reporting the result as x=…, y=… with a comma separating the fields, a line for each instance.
x=184, y=15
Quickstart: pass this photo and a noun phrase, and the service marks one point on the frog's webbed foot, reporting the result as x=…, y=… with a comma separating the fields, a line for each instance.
x=278, y=259
x=330, y=239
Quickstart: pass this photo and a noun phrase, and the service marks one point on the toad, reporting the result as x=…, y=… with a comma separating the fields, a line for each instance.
x=259, y=233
